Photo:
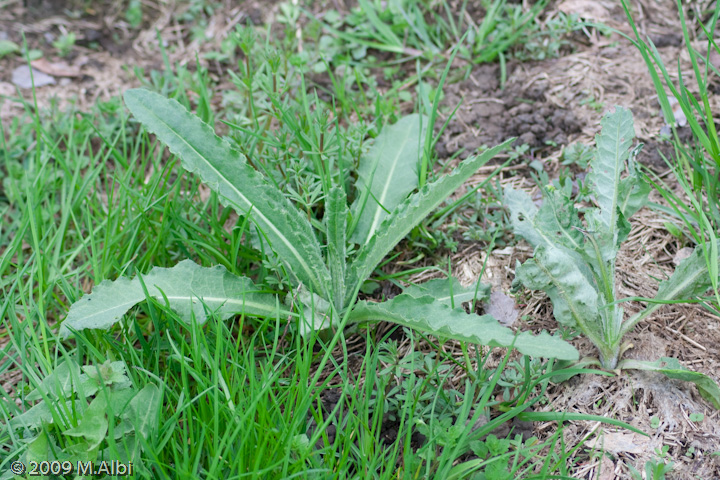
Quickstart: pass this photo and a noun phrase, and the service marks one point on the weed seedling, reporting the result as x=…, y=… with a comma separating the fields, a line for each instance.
x=65, y=44
x=325, y=284
x=575, y=254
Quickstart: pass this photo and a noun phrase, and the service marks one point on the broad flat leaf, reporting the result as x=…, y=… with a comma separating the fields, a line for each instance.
x=387, y=174
x=183, y=285
x=36, y=416
x=336, y=215
x=116, y=400
x=123, y=429
x=449, y=291
x=39, y=449
x=671, y=367
x=613, y=149
x=93, y=425
x=634, y=193
x=144, y=409
x=427, y=315
x=522, y=216
x=82, y=452
x=59, y=384
x=559, y=221
x=575, y=301
x=226, y=171
x=606, y=241
x=409, y=214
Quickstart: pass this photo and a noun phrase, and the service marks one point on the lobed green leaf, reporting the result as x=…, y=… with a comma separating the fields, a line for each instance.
x=574, y=299
x=523, y=211
x=691, y=278
x=188, y=288
x=226, y=171
x=613, y=149
x=426, y=314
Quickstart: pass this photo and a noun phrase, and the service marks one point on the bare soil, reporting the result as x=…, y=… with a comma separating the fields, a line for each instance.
x=546, y=104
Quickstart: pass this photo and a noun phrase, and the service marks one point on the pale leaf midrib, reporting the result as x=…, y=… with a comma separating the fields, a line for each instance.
x=616, y=177
x=222, y=300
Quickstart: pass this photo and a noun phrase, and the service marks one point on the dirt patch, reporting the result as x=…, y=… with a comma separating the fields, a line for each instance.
x=107, y=48
x=489, y=114
x=549, y=103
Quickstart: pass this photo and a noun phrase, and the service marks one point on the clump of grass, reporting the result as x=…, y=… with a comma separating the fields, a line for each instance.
x=695, y=168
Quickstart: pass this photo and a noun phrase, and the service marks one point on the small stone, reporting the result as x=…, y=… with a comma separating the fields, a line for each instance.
x=21, y=77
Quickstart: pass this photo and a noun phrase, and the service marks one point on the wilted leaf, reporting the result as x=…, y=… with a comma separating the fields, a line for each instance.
x=620, y=442
x=502, y=308
x=56, y=69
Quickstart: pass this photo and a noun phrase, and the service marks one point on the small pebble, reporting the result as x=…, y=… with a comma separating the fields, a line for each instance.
x=21, y=77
